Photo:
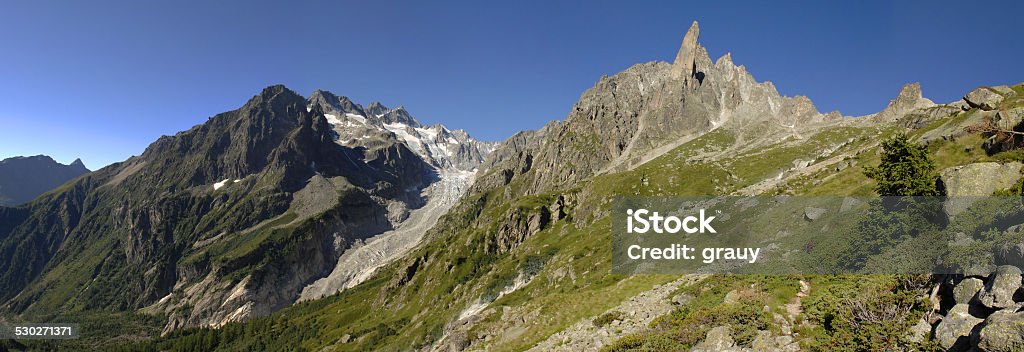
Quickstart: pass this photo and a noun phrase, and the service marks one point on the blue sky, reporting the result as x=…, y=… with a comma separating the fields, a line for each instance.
x=100, y=80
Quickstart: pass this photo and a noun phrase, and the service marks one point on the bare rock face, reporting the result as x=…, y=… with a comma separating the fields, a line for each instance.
x=1001, y=288
x=967, y=290
x=908, y=100
x=1002, y=331
x=955, y=330
x=983, y=98
x=719, y=339
x=966, y=183
x=685, y=63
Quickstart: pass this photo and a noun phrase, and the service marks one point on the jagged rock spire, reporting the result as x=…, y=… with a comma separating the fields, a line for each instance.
x=686, y=58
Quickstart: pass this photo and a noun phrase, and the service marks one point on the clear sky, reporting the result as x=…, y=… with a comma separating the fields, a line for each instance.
x=100, y=80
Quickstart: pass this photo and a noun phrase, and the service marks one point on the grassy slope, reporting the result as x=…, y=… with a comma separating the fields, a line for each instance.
x=457, y=265
x=574, y=283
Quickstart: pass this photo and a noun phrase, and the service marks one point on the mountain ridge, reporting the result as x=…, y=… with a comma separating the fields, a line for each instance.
x=23, y=178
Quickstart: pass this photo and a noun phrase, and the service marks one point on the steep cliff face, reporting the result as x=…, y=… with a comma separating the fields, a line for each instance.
x=222, y=222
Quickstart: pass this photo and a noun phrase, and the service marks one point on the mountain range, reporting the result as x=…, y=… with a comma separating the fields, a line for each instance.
x=321, y=224
x=24, y=178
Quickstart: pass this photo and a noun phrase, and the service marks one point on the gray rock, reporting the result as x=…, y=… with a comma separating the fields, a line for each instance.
x=1004, y=90
x=983, y=98
x=687, y=55
x=1009, y=119
x=908, y=100
x=965, y=183
x=1001, y=287
x=1002, y=331
x=967, y=290
x=812, y=213
x=849, y=203
x=955, y=329
x=682, y=299
x=732, y=297
x=719, y=339
x=920, y=331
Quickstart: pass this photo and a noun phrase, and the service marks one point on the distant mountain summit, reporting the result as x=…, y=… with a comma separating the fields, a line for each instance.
x=281, y=199
x=23, y=178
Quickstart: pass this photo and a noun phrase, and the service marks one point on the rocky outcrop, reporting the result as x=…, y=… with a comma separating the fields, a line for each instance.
x=1003, y=331
x=648, y=109
x=1009, y=119
x=908, y=100
x=718, y=339
x=981, y=312
x=965, y=183
x=955, y=329
x=967, y=290
x=685, y=64
x=1001, y=289
x=983, y=98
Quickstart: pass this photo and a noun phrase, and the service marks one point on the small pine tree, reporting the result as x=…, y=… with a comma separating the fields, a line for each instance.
x=905, y=170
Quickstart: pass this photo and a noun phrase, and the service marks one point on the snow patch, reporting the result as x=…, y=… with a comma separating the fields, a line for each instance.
x=356, y=117
x=220, y=184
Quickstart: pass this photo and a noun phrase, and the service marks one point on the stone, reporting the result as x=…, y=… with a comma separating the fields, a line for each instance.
x=812, y=213
x=967, y=290
x=685, y=63
x=1002, y=331
x=909, y=99
x=983, y=98
x=1009, y=119
x=732, y=297
x=920, y=331
x=1004, y=90
x=682, y=299
x=1001, y=287
x=965, y=183
x=955, y=329
x=849, y=203
x=719, y=339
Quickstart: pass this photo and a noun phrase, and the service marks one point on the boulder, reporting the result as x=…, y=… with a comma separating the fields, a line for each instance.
x=1004, y=90
x=1009, y=119
x=682, y=299
x=1001, y=287
x=909, y=99
x=964, y=183
x=849, y=203
x=812, y=213
x=732, y=297
x=967, y=290
x=954, y=331
x=719, y=339
x=1002, y=331
x=959, y=127
x=983, y=98
x=920, y=331
x=766, y=342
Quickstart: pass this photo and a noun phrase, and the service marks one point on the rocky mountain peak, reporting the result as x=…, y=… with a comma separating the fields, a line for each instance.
x=907, y=100
x=331, y=103
x=376, y=108
x=685, y=64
